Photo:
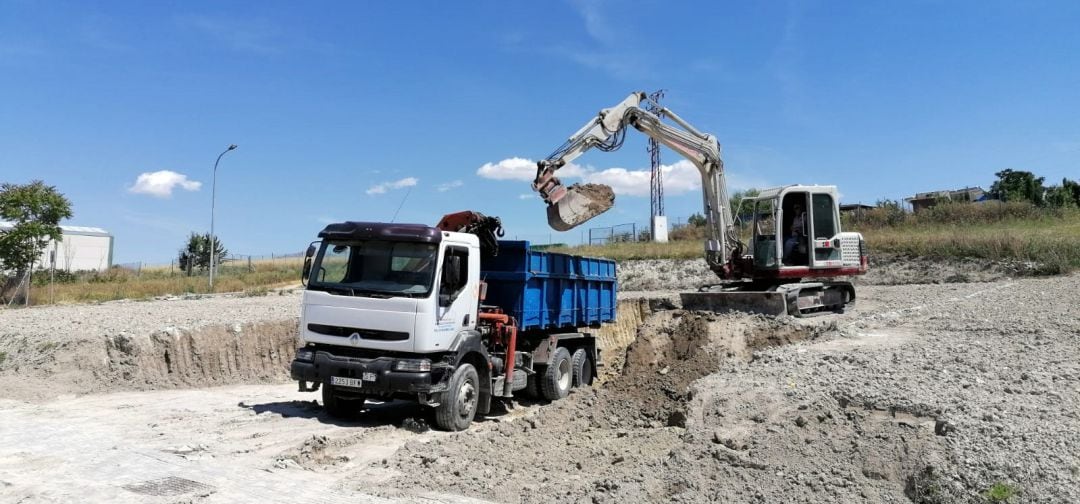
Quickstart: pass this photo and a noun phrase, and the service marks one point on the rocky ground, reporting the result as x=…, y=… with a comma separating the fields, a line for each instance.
x=962, y=391
x=932, y=393
x=885, y=269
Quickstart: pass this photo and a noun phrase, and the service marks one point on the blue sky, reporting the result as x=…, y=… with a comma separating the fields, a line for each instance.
x=340, y=109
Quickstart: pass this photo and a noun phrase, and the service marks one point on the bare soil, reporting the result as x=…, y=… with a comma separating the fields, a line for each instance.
x=600, y=196
x=146, y=345
x=928, y=392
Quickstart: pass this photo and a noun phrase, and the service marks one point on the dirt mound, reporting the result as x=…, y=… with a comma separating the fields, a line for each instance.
x=623, y=441
x=600, y=196
x=167, y=358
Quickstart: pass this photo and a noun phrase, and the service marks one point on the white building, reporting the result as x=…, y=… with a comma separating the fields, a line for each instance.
x=81, y=248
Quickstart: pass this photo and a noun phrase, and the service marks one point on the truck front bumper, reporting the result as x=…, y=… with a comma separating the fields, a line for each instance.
x=377, y=375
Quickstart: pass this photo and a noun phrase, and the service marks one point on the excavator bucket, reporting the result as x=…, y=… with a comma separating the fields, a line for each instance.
x=580, y=203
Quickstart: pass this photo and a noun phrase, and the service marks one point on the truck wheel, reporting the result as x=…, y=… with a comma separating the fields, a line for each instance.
x=582, y=368
x=458, y=406
x=558, y=376
x=339, y=407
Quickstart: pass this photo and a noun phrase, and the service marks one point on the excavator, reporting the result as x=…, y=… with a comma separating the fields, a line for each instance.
x=796, y=253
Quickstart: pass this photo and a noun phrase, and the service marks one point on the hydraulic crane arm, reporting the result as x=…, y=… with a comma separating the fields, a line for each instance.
x=570, y=207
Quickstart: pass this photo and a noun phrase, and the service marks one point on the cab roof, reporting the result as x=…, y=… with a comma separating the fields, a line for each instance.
x=353, y=230
x=773, y=192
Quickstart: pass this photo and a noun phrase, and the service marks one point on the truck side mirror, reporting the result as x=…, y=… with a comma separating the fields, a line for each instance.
x=308, y=254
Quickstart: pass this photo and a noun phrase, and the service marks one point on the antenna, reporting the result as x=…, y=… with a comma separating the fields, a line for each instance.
x=403, y=198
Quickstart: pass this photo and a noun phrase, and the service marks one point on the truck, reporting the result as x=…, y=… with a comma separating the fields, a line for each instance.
x=448, y=316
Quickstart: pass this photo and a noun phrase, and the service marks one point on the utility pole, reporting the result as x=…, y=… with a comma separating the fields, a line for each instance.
x=52, y=275
x=213, y=197
x=657, y=220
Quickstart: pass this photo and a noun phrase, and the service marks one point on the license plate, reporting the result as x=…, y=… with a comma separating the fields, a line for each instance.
x=346, y=382
x=342, y=381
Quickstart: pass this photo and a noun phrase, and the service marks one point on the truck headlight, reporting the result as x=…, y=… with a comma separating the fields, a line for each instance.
x=413, y=365
x=305, y=354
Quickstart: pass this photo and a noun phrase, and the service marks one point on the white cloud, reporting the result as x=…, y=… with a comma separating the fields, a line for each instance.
x=522, y=169
x=446, y=186
x=679, y=178
x=396, y=184
x=160, y=184
x=514, y=168
x=526, y=196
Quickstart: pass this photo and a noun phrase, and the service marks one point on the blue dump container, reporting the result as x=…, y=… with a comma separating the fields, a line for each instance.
x=547, y=290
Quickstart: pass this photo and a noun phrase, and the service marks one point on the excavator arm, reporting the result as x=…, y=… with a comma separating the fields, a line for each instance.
x=571, y=206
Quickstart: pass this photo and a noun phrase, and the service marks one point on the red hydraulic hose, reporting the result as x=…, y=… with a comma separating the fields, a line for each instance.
x=511, y=346
x=507, y=323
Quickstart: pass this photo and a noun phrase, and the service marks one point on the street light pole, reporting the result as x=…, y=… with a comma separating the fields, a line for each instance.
x=213, y=198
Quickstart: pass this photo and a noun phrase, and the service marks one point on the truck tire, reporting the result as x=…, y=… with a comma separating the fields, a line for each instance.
x=583, y=376
x=558, y=377
x=339, y=407
x=458, y=407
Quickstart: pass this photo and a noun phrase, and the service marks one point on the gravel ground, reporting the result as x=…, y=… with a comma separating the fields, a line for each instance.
x=135, y=317
x=926, y=392
x=885, y=269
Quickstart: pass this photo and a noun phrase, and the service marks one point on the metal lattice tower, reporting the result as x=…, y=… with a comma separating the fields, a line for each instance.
x=656, y=180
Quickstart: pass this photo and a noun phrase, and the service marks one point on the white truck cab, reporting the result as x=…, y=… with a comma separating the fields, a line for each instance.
x=394, y=311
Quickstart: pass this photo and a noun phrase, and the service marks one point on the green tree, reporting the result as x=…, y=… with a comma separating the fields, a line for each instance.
x=1065, y=195
x=195, y=255
x=35, y=211
x=1016, y=185
x=696, y=220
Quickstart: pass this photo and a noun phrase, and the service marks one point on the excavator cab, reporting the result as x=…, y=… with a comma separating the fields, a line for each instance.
x=796, y=233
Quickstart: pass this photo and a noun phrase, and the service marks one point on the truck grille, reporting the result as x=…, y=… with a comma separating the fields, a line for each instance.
x=368, y=334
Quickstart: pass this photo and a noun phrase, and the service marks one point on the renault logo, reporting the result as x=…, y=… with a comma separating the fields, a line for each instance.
x=354, y=339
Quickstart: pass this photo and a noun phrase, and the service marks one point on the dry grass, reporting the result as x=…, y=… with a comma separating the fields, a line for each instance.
x=1005, y=232
x=996, y=232
x=162, y=281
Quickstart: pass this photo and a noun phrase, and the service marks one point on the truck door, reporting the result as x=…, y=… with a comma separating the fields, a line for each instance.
x=457, y=303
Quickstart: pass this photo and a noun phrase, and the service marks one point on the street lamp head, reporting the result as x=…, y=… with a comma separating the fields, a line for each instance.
x=232, y=146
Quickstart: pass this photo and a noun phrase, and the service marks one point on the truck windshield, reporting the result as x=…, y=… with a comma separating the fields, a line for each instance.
x=375, y=268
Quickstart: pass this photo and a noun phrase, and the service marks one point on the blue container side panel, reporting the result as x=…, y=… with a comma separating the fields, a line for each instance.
x=547, y=290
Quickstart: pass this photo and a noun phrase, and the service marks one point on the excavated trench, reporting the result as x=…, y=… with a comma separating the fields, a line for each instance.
x=622, y=439
x=694, y=408
x=173, y=357
x=212, y=355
